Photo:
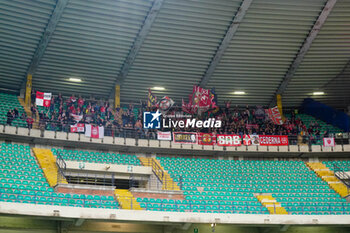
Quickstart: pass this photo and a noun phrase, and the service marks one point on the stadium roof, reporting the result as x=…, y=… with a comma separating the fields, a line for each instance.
x=261, y=47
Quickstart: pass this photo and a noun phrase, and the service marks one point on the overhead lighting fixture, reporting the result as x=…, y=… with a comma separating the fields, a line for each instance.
x=318, y=93
x=75, y=79
x=239, y=92
x=158, y=88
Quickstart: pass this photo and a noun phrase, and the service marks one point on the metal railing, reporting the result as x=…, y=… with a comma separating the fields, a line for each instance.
x=157, y=170
x=342, y=175
x=61, y=169
x=140, y=133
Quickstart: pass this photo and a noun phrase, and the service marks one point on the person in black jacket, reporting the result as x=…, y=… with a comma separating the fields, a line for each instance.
x=15, y=111
x=10, y=116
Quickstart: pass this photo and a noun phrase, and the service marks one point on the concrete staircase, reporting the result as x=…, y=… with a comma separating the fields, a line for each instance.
x=271, y=204
x=126, y=200
x=327, y=175
x=47, y=162
x=163, y=176
x=29, y=113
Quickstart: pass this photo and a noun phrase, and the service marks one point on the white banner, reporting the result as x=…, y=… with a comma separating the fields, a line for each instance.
x=43, y=99
x=254, y=140
x=94, y=131
x=164, y=136
x=328, y=142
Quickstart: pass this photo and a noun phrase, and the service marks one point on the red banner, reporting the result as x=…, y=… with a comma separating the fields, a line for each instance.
x=273, y=140
x=228, y=140
x=275, y=115
x=252, y=126
x=80, y=127
x=208, y=139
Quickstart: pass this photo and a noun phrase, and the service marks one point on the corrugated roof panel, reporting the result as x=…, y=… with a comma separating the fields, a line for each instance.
x=178, y=48
x=326, y=59
x=90, y=42
x=21, y=26
x=263, y=48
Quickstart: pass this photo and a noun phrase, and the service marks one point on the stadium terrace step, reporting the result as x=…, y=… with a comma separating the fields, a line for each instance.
x=271, y=204
x=47, y=162
x=327, y=175
x=126, y=200
x=29, y=113
x=167, y=182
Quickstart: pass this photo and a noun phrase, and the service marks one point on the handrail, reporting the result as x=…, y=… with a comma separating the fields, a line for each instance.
x=61, y=168
x=342, y=175
x=158, y=171
x=140, y=133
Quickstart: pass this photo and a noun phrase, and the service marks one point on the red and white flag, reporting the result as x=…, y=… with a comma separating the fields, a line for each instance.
x=246, y=140
x=94, y=131
x=275, y=115
x=202, y=99
x=228, y=140
x=80, y=127
x=328, y=142
x=43, y=99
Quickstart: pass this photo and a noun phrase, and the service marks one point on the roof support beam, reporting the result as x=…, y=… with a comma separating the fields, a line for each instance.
x=145, y=29
x=226, y=41
x=340, y=75
x=306, y=46
x=46, y=37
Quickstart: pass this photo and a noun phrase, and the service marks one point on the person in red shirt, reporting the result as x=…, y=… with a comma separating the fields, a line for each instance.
x=80, y=102
x=30, y=122
x=73, y=99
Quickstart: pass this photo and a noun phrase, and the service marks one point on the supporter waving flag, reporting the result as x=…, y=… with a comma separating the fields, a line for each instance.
x=275, y=115
x=152, y=99
x=43, y=99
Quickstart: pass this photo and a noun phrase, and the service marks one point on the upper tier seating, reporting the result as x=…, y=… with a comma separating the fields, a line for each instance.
x=323, y=126
x=9, y=102
x=22, y=180
x=97, y=157
x=234, y=183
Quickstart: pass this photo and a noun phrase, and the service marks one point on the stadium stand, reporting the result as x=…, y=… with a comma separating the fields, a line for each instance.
x=329, y=176
x=97, y=157
x=234, y=184
x=311, y=121
x=23, y=181
x=209, y=185
x=344, y=164
x=164, y=177
x=126, y=121
x=10, y=102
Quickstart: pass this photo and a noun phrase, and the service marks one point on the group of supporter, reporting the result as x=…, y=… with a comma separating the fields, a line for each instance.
x=11, y=115
x=64, y=112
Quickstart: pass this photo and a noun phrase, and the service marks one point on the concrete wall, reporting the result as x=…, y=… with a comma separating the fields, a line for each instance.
x=108, y=168
x=158, y=195
x=17, y=224
x=153, y=146
x=85, y=189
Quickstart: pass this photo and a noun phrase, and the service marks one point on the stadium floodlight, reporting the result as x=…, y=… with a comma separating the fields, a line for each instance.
x=75, y=79
x=158, y=88
x=239, y=92
x=318, y=93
